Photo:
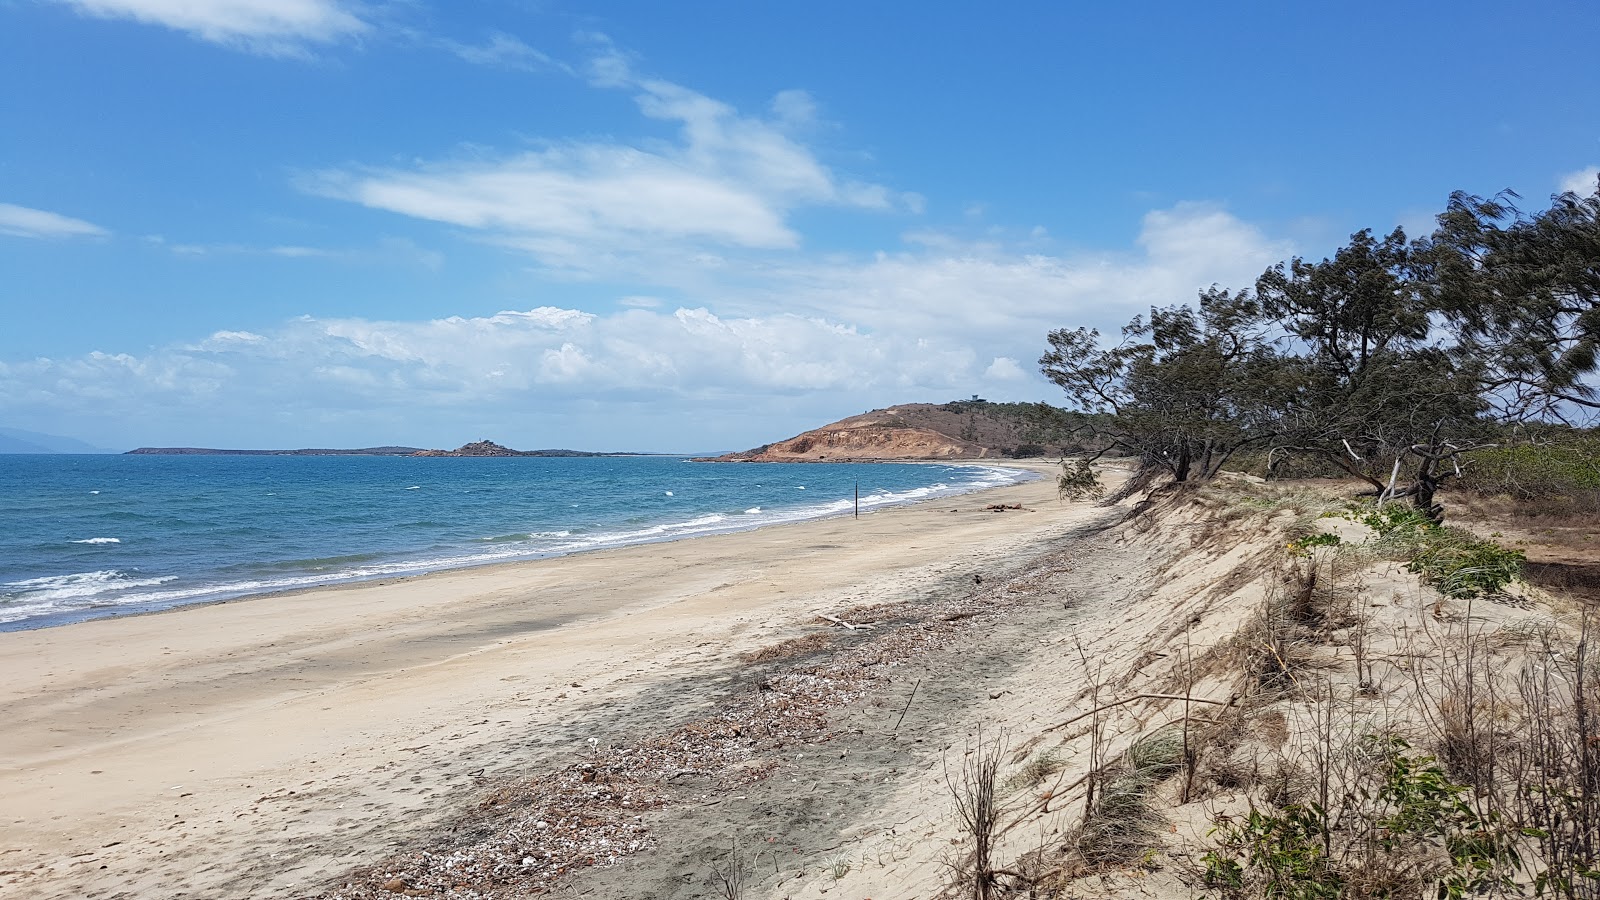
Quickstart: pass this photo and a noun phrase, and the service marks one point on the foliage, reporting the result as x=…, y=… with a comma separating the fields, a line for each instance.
x=1455, y=561
x=1524, y=293
x=1078, y=481
x=1039, y=427
x=1378, y=386
x=1183, y=391
x=1283, y=851
x=1391, y=358
x=1564, y=467
x=1406, y=828
x=1302, y=547
x=1460, y=564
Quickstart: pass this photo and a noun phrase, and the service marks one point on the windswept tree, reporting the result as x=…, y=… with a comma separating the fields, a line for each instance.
x=1523, y=293
x=1184, y=390
x=1380, y=388
x=1392, y=360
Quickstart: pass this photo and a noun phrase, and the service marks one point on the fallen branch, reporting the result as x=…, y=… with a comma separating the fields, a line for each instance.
x=838, y=621
x=902, y=718
x=1135, y=697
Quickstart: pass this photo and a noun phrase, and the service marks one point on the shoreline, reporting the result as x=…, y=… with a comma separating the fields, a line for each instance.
x=175, y=750
x=223, y=594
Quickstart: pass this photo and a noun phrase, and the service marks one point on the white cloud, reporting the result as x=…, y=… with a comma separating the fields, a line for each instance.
x=503, y=51
x=1004, y=368
x=386, y=252
x=547, y=356
x=728, y=181
x=831, y=337
x=273, y=27
x=795, y=109
x=21, y=221
x=1002, y=299
x=548, y=200
x=1581, y=182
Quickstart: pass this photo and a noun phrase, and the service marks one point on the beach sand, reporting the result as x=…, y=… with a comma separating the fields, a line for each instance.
x=260, y=747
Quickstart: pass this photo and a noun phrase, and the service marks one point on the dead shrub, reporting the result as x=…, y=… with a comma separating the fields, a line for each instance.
x=979, y=810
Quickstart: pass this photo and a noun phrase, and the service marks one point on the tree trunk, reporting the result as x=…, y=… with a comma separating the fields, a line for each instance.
x=1181, y=470
x=1422, y=496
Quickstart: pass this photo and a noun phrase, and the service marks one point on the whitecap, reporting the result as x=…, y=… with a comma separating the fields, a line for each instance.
x=752, y=510
x=78, y=585
x=99, y=540
x=94, y=492
x=669, y=493
x=415, y=487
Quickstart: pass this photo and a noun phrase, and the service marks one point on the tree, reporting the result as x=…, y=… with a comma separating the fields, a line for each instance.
x=1390, y=358
x=1184, y=390
x=1523, y=294
x=1379, y=387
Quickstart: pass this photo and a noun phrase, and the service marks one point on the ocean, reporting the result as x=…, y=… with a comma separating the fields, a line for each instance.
x=86, y=537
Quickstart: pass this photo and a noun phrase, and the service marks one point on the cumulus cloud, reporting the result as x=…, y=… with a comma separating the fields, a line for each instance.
x=997, y=297
x=273, y=27
x=545, y=357
x=1581, y=182
x=21, y=221
x=1004, y=368
x=938, y=321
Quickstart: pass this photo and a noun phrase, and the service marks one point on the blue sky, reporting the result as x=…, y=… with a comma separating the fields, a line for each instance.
x=609, y=225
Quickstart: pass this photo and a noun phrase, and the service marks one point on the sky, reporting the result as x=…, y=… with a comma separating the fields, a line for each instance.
x=696, y=226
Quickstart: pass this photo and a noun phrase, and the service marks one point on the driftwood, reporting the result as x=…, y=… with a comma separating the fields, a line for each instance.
x=902, y=718
x=838, y=621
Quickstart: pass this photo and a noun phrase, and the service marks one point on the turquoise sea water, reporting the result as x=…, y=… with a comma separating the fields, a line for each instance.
x=85, y=537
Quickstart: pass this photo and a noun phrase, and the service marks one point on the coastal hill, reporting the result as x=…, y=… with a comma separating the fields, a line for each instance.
x=16, y=440
x=964, y=429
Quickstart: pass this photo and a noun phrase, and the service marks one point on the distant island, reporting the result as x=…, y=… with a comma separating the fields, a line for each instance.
x=209, y=451
x=490, y=448
x=476, y=449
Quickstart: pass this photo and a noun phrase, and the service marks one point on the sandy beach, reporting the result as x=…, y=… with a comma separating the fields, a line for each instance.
x=260, y=747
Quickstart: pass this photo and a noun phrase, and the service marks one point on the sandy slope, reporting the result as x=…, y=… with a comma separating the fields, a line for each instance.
x=256, y=748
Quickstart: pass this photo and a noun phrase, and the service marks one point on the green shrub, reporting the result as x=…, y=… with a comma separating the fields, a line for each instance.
x=1303, y=546
x=1461, y=564
x=1280, y=853
x=1393, y=834
x=1456, y=562
x=1546, y=471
